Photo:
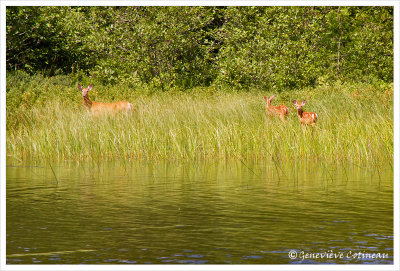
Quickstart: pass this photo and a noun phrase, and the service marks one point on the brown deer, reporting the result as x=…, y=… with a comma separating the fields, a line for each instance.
x=306, y=118
x=281, y=111
x=100, y=108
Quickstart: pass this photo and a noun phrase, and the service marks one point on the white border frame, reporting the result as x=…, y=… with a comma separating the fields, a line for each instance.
x=396, y=218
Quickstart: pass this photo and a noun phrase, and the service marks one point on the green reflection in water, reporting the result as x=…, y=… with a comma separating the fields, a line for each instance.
x=197, y=212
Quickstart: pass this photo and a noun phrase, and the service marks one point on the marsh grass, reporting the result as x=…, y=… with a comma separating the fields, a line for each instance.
x=355, y=123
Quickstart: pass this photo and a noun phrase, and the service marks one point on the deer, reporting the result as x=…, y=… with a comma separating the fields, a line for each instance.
x=99, y=108
x=281, y=111
x=306, y=118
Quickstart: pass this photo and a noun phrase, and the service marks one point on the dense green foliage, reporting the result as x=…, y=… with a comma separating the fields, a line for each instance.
x=276, y=48
x=46, y=120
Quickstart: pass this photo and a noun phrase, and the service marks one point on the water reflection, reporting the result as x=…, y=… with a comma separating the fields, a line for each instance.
x=202, y=213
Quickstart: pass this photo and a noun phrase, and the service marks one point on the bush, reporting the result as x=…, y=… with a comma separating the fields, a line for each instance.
x=274, y=48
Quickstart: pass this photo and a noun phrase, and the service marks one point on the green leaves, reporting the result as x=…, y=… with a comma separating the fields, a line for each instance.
x=290, y=47
x=275, y=48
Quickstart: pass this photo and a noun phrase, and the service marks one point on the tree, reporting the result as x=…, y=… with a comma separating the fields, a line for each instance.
x=275, y=48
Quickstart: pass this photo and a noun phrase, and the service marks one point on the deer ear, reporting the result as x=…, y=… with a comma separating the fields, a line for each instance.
x=303, y=103
x=270, y=98
x=294, y=101
x=80, y=87
x=265, y=97
x=89, y=87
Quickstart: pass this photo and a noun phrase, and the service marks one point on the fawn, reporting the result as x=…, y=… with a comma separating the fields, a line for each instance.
x=281, y=111
x=99, y=108
x=306, y=118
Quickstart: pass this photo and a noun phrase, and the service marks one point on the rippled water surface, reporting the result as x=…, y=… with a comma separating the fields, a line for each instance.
x=204, y=213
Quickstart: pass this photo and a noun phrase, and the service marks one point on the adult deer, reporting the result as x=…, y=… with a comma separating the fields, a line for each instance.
x=99, y=108
x=306, y=118
x=281, y=111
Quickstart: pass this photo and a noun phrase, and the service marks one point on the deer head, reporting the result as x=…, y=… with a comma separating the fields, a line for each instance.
x=84, y=90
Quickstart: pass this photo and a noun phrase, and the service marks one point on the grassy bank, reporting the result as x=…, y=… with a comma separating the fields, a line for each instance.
x=46, y=120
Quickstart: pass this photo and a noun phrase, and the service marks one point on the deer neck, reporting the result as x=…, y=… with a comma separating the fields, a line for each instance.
x=300, y=112
x=87, y=102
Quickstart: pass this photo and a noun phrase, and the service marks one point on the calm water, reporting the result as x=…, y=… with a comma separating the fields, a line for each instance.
x=204, y=213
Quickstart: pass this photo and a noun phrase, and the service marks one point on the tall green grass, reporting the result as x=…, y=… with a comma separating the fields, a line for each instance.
x=355, y=124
